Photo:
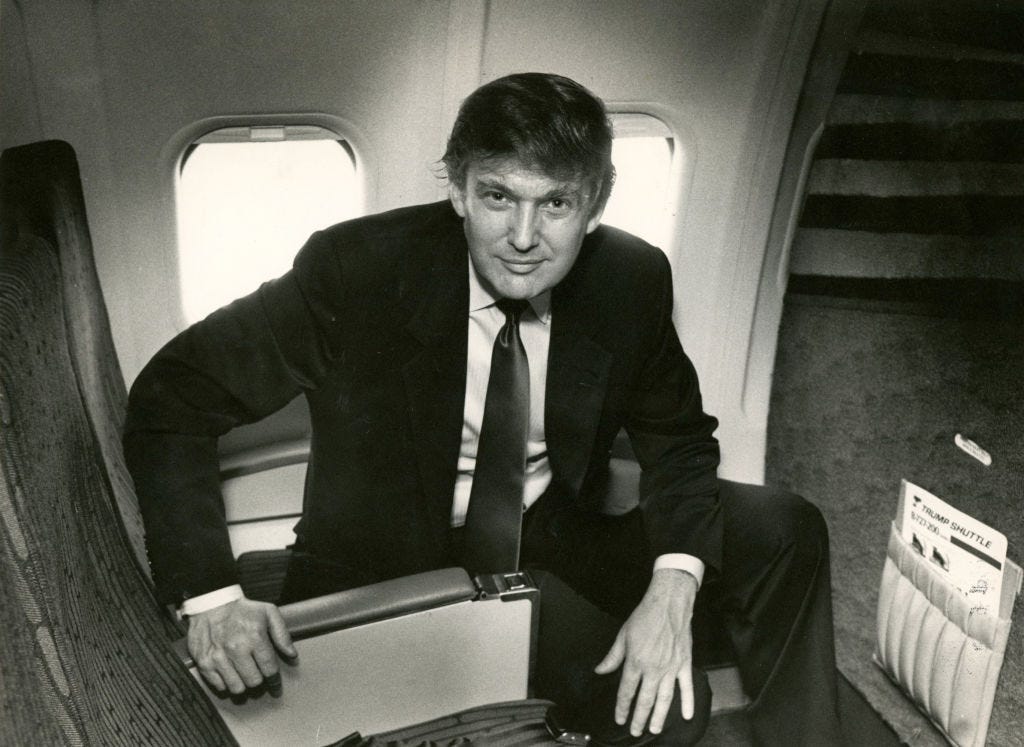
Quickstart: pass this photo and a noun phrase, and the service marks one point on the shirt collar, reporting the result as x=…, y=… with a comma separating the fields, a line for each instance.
x=481, y=298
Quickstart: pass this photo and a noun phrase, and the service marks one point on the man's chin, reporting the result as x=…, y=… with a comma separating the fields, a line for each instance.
x=521, y=289
x=519, y=286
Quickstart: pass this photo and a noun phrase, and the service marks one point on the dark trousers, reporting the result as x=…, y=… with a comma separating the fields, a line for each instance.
x=772, y=599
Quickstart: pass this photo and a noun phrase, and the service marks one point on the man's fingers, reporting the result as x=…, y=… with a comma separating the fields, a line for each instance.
x=279, y=633
x=627, y=688
x=642, y=709
x=241, y=656
x=664, y=701
x=613, y=659
x=265, y=658
x=213, y=679
x=686, y=691
x=226, y=669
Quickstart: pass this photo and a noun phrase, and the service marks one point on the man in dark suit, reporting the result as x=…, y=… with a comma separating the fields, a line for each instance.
x=392, y=326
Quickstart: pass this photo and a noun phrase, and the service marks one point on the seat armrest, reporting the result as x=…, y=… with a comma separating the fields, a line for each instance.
x=366, y=604
x=380, y=601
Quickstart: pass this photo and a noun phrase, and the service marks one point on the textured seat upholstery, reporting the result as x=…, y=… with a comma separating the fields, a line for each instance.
x=85, y=654
x=44, y=188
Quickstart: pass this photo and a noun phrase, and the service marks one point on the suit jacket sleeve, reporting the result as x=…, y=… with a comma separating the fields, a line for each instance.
x=673, y=439
x=238, y=365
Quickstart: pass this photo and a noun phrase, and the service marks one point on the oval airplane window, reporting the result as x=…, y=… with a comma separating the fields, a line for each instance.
x=248, y=198
x=642, y=153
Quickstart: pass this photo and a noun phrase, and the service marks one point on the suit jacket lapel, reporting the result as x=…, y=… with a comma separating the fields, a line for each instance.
x=577, y=381
x=435, y=378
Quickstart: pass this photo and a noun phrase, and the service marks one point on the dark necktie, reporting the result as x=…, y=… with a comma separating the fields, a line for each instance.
x=495, y=513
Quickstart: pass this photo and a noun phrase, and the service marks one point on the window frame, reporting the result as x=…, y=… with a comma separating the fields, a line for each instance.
x=255, y=129
x=654, y=120
x=176, y=149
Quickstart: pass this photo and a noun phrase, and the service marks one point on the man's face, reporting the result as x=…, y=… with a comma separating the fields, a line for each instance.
x=524, y=228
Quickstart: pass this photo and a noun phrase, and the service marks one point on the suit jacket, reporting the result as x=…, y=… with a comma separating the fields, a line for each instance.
x=370, y=325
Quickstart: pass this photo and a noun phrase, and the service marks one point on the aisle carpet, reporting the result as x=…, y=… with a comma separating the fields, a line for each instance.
x=869, y=391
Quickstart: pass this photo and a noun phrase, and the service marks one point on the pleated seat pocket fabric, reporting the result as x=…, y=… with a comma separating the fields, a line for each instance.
x=939, y=648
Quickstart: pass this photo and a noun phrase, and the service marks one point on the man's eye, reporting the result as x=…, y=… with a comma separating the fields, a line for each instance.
x=558, y=205
x=497, y=198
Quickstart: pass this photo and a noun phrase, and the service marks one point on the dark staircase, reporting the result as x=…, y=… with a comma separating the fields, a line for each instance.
x=917, y=187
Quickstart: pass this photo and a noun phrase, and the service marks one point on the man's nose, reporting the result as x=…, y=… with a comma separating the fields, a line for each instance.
x=522, y=229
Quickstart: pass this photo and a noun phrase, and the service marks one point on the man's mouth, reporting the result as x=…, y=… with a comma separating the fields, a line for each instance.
x=521, y=266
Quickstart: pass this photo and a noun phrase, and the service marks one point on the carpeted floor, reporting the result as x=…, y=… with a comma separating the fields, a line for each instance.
x=869, y=392
x=861, y=725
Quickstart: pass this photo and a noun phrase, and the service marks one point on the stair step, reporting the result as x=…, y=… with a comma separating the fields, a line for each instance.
x=995, y=141
x=899, y=44
x=1000, y=300
x=979, y=23
x=852, y=108
x=848, y=176
x=961, y=215
x=918, y=77
x=863, y=254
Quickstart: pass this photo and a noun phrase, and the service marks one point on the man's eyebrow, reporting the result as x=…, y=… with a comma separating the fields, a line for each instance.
x=565, y=189
x=495, y=183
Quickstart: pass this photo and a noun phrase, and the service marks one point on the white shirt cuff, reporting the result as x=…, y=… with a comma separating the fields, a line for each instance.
x=210, y=600
x=682, y=562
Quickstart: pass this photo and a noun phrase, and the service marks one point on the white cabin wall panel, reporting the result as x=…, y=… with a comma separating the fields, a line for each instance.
x=174, y=64
x=122, y=78
x=374, y=64
x=19, y=111
x=68, y=89
x=788, y=42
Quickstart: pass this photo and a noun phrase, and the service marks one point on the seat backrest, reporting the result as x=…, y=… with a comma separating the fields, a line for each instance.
x=46, y=189
x=84, y=655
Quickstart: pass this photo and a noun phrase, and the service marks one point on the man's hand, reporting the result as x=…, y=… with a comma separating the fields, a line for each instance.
x=654, y=648
x=232, y=647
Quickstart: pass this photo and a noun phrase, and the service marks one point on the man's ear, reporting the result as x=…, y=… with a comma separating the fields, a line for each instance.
x=595, y=218
x=597, y=193
x=458, y=197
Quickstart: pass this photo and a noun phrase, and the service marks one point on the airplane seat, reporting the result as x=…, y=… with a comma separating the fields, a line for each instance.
x=49, y=197
x=84, y=652
x=52, y=205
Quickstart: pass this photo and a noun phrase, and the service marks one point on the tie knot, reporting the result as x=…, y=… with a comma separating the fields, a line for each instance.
x=513, y=308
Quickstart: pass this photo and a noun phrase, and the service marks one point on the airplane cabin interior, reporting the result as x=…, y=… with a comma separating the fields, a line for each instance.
x=838, y=186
